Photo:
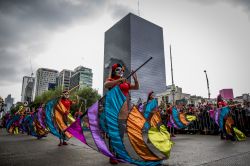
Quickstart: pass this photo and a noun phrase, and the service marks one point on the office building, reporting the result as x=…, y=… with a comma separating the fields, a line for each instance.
x=45, y=80
x=82, y=76
x=227, y=93
x=131, y=41
x=9, y=101
x=64, y=79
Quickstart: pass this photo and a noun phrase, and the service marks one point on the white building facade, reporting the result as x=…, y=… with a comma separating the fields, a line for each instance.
x=45, y=80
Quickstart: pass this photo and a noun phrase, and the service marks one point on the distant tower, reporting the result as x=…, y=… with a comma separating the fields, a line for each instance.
x=27, y=89
x=131, y=41
x=9, y=101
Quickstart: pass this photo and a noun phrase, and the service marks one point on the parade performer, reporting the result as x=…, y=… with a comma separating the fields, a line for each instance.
x=104, y=119
x=170, y=123
x=224, y=119
x=220, y=104
x=41, y=116
x=12, y=126
x=157, y=131
x=116, y=78
x=149, y=109
x=23, y=112
x=179, y=119
x=39, y=122
x=63, y=117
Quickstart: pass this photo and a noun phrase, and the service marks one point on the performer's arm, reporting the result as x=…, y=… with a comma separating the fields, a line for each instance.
x=109, y=84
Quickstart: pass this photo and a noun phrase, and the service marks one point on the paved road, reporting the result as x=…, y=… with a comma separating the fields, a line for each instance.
x=23, y=150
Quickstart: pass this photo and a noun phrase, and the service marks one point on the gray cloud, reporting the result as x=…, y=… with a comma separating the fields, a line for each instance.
x=118, y=11
x=11, y=66
x=26, y=26
x=244, y=4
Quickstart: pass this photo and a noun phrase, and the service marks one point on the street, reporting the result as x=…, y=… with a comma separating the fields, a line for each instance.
x=23, y=150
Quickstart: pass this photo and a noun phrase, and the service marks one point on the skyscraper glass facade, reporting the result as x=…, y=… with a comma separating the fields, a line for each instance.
x=132, y=41
x=82, y=76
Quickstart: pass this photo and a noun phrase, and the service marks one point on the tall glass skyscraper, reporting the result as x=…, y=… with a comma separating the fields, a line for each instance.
x=131, y=41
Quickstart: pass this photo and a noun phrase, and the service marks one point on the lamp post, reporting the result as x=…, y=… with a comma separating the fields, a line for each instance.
x=173, y=86
x=207, y=84
x=85, y=104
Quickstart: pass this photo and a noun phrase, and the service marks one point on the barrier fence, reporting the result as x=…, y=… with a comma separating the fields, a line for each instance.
x=204, y=124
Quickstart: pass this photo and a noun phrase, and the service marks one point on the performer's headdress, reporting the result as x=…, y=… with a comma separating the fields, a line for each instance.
x=65, y=91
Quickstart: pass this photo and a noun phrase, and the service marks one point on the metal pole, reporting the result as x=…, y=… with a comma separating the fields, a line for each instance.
x=85, y=104
x=138, y=5
x=207, y=84
x=126, y=78
x=173, y=90
x=139, y=67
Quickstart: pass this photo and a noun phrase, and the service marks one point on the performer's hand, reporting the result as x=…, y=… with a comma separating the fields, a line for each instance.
x=122, y=80
x=134, y=76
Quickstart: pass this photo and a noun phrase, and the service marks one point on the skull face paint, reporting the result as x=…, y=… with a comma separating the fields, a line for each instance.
x=119, y=71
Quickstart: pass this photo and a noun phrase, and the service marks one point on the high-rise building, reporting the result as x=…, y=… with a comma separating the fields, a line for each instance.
x=9, y=101
x=227, y=93
x=1, y=106
x=131, y=41
x=27, y=88
x=45, y=80
x=64, y=79
x=82, y=76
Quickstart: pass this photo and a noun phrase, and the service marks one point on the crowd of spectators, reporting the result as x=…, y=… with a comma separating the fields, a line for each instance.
x=204, y=123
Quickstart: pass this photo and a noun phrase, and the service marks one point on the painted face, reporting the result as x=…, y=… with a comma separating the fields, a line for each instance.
x=66, y=95
x=119, y=71
x=25, y=103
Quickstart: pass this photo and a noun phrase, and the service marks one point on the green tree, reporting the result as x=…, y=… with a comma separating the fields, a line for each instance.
x=86, y=94
x=15, y=108
x=48, y=95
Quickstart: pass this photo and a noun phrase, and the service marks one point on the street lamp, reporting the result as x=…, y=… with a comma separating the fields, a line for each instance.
x=207, y=84
x=172, y=75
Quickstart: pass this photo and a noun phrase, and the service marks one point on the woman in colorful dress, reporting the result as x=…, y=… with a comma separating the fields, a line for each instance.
x=116, y=78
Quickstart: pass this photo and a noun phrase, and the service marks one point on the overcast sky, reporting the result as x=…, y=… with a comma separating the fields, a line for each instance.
x=63, y=34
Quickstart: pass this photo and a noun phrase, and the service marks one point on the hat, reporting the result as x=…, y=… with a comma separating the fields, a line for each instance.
x=65, y=91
